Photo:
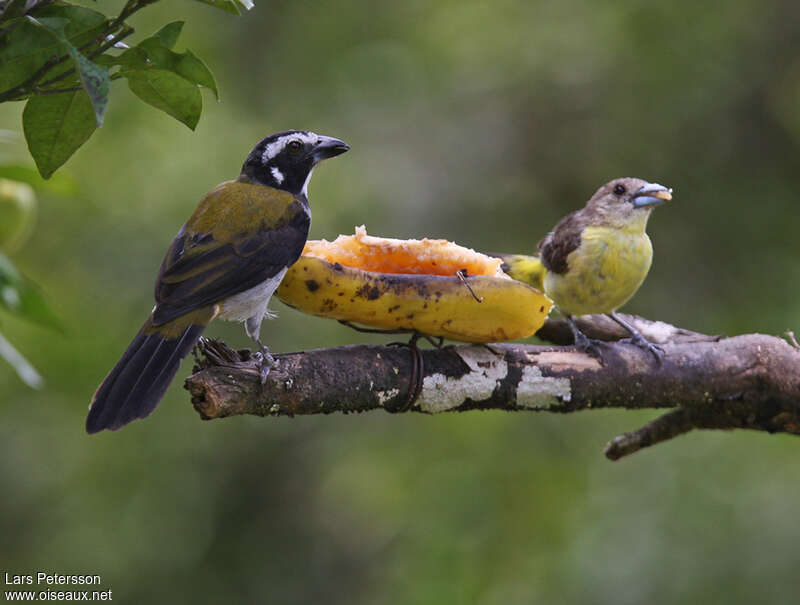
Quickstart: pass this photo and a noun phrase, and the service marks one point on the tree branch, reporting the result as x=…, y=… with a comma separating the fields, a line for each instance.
x=750, y=381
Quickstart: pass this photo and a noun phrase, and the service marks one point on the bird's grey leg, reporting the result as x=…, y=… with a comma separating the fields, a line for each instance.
x=253, y=328
x=583, y=342
x=637, y=338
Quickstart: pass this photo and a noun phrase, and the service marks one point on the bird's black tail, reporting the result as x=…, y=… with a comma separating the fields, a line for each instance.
x=137, y=383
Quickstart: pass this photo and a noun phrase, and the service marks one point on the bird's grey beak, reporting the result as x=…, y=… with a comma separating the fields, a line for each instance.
x=651, y=194
x=328, y=147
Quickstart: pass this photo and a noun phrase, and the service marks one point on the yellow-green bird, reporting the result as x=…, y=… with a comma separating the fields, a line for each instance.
x=225, y=262
x=595, y=259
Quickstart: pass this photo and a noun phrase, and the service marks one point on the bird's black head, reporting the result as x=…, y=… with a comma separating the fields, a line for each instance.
x=285, y=160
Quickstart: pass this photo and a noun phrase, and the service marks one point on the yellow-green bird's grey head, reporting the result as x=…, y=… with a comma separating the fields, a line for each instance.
x=625, y=203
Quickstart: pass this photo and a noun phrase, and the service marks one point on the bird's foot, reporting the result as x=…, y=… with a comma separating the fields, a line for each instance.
x=640, y=341
x=197, y=350
x=266, y=363
x=588, y=346
x=583, y=342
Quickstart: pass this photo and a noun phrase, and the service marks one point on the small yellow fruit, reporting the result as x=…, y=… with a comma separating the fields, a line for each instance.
x=17, y=214
x=413, y=285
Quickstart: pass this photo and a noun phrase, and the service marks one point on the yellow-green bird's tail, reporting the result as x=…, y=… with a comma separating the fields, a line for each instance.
x=527, y=269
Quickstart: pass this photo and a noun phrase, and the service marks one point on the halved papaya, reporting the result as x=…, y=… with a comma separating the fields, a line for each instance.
x=413, y=285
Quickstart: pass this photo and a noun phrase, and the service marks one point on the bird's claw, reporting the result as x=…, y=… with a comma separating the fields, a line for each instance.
x=588, y=346
x=266, y=363
x=641, y=342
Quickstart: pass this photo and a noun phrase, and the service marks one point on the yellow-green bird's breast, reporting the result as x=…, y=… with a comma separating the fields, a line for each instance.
x=604, y=271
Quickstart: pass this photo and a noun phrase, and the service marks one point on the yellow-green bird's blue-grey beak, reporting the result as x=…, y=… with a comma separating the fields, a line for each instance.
x=651, y=194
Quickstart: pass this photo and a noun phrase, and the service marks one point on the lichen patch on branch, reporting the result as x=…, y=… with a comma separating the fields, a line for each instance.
x=441, y=393
x=539, y=392
x=384, y=396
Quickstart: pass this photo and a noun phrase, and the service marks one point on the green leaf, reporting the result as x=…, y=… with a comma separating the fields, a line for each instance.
x=168, y=92
x=169, y=33
x=55, y=126
x=229, y=6
x=24, y=50
x=95, y=79
x=26, y=372
x=27, y=47
x=96, y=82
x=83, y=24
x=22, y=297
x=157, y=53
x=153, y=53
x=194, y=70
x=54, y=24
x=134, y=58
x=59, y=184
x=13, y=9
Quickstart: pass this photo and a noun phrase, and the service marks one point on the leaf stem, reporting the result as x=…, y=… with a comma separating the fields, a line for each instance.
x=55, y=91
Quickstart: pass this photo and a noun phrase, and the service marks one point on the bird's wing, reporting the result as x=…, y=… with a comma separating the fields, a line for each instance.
x=563, y=239
x=240, y=235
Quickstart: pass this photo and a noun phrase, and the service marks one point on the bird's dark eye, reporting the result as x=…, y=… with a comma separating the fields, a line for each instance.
x=619, y=189
x=294, y=145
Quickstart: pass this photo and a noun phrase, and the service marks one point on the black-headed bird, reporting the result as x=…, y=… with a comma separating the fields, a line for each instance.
x=595, y=259
x=225, y=262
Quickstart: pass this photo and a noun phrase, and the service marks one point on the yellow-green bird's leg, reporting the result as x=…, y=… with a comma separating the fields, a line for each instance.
x=637, y=338
x=583, y=342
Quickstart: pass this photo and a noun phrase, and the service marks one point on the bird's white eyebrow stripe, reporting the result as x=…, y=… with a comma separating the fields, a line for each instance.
x=277, y=175
x=274, y=148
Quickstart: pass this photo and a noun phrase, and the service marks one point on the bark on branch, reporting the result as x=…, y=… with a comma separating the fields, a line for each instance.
x=749, y=382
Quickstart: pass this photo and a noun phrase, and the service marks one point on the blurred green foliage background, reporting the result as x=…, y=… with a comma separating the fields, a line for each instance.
x=483, y=123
